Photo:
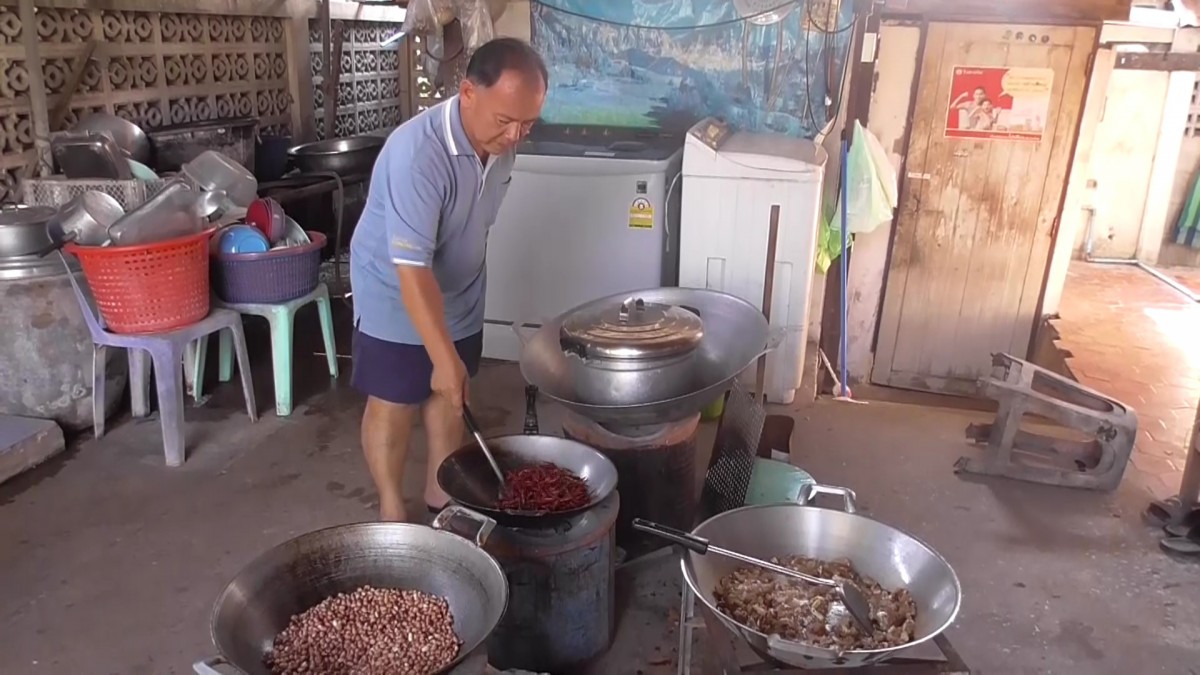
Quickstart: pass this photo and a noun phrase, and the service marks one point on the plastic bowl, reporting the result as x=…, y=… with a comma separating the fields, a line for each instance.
x=267, y=215
x=243, y=239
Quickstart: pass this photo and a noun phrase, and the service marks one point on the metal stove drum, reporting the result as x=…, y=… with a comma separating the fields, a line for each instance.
x=560, y=567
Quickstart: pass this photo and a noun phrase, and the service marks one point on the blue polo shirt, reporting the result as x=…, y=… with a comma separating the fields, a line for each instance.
x=430, y=204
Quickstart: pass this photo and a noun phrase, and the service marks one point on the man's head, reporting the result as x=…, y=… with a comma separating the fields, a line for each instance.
x=502, y=94
x=980, y=94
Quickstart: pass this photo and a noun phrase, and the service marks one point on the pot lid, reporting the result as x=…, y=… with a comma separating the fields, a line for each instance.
x=632, y=330
x=20, y=215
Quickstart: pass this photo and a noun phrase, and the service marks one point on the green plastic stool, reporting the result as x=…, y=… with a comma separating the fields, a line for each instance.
x=282, y=319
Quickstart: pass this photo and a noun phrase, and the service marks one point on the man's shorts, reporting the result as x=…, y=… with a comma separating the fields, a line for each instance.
x=400, y=373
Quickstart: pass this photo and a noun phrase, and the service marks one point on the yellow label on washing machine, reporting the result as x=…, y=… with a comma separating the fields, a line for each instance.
x=641, y=214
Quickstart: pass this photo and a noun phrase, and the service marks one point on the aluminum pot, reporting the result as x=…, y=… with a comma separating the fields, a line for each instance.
x=343, y=156
x=300, y=573
x=892, y=557
x=734, y=334
x=23, y=229
x=612, y=349
x=129, y=137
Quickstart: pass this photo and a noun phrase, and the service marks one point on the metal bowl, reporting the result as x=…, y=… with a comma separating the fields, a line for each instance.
x=128, y=136
x=343, y=156
x=893, y=558
x=468, y=479
x=300, y=573
x=735, y=334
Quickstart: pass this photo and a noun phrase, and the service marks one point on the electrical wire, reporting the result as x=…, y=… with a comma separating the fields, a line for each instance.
x=621, y=24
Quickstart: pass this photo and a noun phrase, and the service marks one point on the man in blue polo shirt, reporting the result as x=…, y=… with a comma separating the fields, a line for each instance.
x=417, y=262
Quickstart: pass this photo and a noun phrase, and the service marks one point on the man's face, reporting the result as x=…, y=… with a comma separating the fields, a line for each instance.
x=499, y=116
x=980, y=94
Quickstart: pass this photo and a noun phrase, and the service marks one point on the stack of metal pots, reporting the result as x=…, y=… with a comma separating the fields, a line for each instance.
x=45, y=347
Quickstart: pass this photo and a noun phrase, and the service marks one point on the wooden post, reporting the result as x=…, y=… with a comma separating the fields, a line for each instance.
x=37, y=86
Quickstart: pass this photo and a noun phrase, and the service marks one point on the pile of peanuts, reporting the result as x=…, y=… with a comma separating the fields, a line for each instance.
x=370, y=631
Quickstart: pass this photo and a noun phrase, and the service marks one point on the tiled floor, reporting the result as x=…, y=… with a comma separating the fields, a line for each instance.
x=1132, y=337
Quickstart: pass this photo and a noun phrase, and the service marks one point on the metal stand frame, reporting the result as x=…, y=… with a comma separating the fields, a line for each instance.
x=1022, y=388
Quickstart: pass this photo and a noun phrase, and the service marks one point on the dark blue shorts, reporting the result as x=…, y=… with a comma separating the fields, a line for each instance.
x=400, y=373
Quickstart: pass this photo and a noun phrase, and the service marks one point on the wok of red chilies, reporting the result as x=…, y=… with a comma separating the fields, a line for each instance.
x=543, y=487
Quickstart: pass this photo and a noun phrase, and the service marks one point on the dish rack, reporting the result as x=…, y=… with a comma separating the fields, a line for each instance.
x=55, y=191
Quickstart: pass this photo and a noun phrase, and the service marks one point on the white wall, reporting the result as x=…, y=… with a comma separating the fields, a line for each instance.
x=891, y=93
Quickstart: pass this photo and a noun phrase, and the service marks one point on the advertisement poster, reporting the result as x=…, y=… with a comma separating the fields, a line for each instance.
x=665, y=64
x=999, y=103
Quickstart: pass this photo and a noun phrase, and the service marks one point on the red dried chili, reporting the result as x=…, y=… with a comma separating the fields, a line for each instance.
x=543, y=487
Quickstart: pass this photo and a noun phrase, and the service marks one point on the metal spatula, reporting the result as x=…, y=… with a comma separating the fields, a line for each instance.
x=850, y=594
x=474, y=429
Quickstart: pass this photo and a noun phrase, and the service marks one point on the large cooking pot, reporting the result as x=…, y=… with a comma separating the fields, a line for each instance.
x=675, y=370
x=23, y=229
x=893, y=558
x=300, y=573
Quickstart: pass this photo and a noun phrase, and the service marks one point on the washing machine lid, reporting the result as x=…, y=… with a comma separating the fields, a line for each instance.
x=562, y=140
x=750, y=152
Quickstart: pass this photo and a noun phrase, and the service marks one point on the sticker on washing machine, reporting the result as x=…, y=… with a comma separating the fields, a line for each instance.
x=641, y=214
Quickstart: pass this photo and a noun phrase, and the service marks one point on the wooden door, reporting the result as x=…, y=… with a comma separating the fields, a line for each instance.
x=1122, y=159
x=989, y=150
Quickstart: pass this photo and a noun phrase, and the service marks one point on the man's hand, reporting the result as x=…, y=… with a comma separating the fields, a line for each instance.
x=450, y=381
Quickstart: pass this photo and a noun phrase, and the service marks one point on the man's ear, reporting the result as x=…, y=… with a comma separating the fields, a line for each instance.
x=467, y=91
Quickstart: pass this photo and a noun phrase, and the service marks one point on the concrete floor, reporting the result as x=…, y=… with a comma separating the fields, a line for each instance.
x=110, y=561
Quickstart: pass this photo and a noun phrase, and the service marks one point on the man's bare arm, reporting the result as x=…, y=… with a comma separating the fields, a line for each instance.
x=423, y=300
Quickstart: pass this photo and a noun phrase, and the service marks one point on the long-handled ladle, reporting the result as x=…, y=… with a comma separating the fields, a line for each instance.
x=850, y=594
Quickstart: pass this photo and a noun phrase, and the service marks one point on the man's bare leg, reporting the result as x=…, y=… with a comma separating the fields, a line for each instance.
x=386, y=429
x=444, y=435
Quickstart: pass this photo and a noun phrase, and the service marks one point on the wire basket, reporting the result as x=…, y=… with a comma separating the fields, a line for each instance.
x=276, y=276
x=153, y=288
x=55, y=191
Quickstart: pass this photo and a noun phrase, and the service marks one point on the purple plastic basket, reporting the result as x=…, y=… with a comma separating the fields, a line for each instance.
x=278, y=275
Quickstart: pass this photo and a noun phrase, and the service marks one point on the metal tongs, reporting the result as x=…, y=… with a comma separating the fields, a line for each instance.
x=850, y=594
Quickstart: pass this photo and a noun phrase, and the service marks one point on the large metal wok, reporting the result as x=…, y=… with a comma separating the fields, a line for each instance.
x=891, y=557
x=466, y=476
x=298, y=574
x=735, y=333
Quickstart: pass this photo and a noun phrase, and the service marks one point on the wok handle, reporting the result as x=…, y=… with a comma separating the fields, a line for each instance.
x=524, y=331
x=56, y=244
x=448, y=514
x=209, y=666
x=531, y=417
x=685, y=539
x=808, y=494
x=776, y=335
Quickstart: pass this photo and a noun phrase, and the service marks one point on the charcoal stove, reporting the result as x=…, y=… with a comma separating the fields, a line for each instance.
x=656, y=469
x=559, y=567
x=561, y=610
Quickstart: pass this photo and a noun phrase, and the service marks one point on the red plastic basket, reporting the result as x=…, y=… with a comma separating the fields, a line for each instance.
x=151, y=288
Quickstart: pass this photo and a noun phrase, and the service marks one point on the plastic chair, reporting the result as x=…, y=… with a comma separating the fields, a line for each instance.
x=282, y=318
x=166, y=350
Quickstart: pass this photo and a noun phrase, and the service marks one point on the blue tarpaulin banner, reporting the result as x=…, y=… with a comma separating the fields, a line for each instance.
x=668, y=63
